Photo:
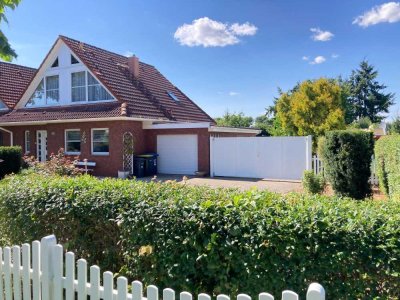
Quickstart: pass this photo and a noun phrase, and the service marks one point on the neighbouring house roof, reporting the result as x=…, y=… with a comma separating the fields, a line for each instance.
x=13, y=81
x=145, y=97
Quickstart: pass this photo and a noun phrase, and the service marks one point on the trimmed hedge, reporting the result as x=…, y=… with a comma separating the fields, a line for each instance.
x=387, y=157
x=212, y=240
x=347, y=161
x=12, y=160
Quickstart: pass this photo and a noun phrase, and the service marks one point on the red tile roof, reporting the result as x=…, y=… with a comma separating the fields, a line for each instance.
x=13, y=81
x=145, y=97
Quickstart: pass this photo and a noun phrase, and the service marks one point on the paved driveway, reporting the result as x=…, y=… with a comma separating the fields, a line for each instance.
x=241, y=183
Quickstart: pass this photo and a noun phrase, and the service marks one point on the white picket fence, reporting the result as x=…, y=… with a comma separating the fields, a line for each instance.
x=318, y=168
x=47, y=273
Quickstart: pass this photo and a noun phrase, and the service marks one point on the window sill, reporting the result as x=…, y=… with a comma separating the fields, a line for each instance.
x=72, y=153
x=100, y=153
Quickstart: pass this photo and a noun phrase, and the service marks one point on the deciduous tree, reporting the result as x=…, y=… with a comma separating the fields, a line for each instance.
x=312, y=108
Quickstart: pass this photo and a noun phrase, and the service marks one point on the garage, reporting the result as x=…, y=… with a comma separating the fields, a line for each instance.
x=178, y=154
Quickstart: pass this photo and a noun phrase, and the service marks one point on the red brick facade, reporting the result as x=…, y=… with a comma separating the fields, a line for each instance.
x=145, y=140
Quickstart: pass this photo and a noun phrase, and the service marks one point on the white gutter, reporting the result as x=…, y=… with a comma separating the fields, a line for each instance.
x=10, y=124
x=233, y=130
x=177, y=125
x=11, y=135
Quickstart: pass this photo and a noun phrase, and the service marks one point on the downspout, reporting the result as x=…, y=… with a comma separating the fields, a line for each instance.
x=11, y=135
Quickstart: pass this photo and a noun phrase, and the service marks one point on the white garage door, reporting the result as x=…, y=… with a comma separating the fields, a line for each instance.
x=178, y=154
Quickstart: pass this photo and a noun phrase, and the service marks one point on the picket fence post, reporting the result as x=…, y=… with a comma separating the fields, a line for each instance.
x=46, y=262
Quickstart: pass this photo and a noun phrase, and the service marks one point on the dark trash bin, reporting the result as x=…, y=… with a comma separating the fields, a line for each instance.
x=138, y=167
x=150, y=165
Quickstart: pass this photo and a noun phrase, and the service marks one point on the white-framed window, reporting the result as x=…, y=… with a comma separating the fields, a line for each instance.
x=27, y=141
x=78, y=86
x=46, y=93
x=100, y=141
x=73, y=141
x=84, y=87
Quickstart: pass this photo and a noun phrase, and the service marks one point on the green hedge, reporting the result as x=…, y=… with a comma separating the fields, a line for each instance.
x=347, y=161
x=387, y=157
x=212, y=240
x=12, y=160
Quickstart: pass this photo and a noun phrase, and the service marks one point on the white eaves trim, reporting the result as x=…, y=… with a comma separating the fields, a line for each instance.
x=233, y=130
x=207, y=125
x=177, y=125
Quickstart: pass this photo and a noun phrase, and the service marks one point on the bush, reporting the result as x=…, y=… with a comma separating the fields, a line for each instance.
x=313, y=184
x=212, y=240
x=58, y=164
x=12, y=160
x=387, y=157
x=347, y=162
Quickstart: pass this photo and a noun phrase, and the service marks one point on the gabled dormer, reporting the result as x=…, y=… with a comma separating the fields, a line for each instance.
x=63, y=79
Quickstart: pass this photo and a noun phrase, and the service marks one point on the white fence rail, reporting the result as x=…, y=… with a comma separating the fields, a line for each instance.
x=47, y=272
x=318, y=168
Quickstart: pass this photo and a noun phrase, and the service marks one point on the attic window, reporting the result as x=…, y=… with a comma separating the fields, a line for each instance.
x=55, y=63
x=74, y=61
x=2, y=105
x=172, y=95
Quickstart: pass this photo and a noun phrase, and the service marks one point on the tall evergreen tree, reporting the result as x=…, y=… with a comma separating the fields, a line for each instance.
x=366, y=97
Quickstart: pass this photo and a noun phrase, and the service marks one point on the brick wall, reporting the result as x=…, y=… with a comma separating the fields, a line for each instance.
x=106, y=165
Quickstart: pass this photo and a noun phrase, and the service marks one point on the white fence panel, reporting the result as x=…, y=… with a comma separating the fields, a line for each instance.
x=318, y=168
x=44, y=279
x=282, y=158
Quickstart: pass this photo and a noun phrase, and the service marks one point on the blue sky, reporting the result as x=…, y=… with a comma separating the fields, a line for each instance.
x=230, y=54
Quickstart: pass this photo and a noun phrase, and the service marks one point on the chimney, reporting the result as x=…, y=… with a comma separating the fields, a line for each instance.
x=133, y=64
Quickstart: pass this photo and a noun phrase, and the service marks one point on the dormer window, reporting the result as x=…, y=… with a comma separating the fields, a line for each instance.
x=55, y=63
x=46, y=93
x=74, y=61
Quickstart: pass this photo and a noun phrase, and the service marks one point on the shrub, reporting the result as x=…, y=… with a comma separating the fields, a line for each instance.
x=58, y=164
x=347, y=162
x=313, y=184
x=212, y=240
x=387, y=156
x=12, y=160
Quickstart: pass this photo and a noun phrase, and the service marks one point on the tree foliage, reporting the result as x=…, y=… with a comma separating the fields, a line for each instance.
x=394, y=126
x=366, y=97
x=234, y=120
x=6, y=52
x=311, y=108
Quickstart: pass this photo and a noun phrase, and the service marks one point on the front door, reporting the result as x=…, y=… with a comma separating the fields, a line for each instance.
x=41, y=145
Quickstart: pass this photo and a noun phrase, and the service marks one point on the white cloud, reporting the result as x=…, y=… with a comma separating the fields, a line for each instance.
x=232, y=94
x=243, y=29
x=320, y=35
x=334, y=55
x=209, y=33
x=305, y=58
x=318, y=60
x=128, y=53
x=385, y=13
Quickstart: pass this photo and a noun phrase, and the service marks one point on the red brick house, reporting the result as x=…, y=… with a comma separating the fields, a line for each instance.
x=86, y=99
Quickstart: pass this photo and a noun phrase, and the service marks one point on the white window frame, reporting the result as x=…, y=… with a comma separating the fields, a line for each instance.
x=65, y=142
x=91, y=138
x=51, y=90
x=45, y=92
x=27, y=141
x=85, y=86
